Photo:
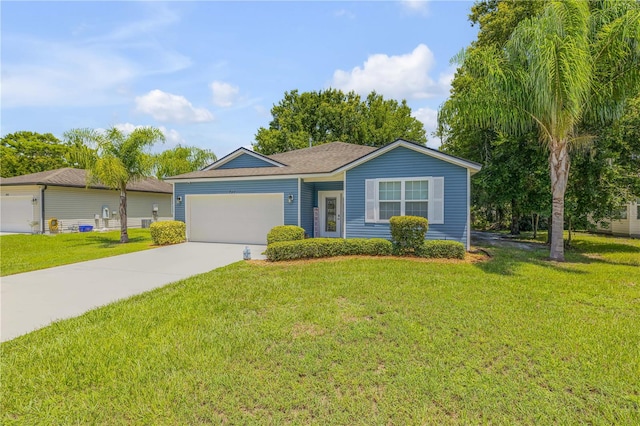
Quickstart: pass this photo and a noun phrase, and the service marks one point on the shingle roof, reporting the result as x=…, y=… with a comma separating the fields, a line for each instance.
x=323, y=158
x=77, y=178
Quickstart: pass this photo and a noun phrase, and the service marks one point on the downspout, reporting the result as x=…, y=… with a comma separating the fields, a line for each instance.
x=42, y=189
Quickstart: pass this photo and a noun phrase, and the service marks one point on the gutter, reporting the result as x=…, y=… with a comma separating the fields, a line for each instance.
x=42, y=189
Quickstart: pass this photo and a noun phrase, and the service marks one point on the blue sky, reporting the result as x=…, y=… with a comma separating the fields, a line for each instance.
x=208, y=73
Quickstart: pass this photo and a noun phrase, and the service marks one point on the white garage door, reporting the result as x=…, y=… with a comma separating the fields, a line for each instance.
x=233, y=218
x=16, y=214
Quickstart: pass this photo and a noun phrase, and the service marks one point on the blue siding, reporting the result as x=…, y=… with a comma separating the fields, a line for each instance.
x=325, y=186
x=306, y=207
x=245, y=161
x=285, y=186
x=404, y=162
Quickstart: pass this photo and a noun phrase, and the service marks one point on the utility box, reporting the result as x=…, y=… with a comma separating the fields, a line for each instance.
x=146, y=223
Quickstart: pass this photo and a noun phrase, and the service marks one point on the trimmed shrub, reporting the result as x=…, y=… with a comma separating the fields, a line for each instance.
x=285, y=233
x=168, y=232
x=407, y=233
x=327, y=247
x=441, y=249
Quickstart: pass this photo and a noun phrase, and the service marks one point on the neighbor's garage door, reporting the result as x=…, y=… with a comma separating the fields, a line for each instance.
x=233, y=218
x=16, y=214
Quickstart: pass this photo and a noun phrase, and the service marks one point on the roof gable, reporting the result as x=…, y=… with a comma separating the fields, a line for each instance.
x=243, y=158
x=470, y=165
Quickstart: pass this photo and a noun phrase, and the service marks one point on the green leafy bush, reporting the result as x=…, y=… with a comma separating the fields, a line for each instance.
x=327, y=247
x=285, y=233
x=441, y=249
x=407, y=233
x=168, y=232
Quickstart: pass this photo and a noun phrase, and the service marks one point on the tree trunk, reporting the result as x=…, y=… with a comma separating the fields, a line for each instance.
x=569, y=239
x=515, y=225
x=549, y=228
x=534, y=224
x=124, y=236
x=559, y=165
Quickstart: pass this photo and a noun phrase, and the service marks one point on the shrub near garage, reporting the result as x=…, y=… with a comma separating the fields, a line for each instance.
x=168, y=232
x=285, y=233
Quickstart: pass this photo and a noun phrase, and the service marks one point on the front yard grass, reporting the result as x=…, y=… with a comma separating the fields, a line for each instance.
x=24, y=253
x=512, y=340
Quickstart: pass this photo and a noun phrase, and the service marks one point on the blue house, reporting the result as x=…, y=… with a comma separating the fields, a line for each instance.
x=332, y=190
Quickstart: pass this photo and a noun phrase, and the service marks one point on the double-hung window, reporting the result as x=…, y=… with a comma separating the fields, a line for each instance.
x=423, y=196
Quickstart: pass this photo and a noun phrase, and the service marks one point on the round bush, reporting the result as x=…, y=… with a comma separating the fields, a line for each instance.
x=168, y=232
x=285, y=233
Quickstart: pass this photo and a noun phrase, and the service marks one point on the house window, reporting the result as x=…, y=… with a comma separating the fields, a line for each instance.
x=623, y=213
x=405, y=197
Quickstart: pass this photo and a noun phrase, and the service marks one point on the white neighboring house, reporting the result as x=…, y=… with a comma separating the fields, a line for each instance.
x=63, y=194
x=627, y=225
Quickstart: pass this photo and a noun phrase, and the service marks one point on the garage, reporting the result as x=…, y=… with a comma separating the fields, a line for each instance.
x=16, y=214
x=233, y=218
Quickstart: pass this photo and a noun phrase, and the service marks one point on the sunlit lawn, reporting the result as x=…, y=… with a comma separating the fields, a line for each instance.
x=23, y=253
x=513, y=340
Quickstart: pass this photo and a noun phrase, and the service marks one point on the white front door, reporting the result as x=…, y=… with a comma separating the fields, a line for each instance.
x=330, y=206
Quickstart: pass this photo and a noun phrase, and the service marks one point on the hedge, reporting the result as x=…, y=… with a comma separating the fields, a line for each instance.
x=441, y=249
x=285, y=233
x=168, y=232
x=407, y=233
x=327, y=247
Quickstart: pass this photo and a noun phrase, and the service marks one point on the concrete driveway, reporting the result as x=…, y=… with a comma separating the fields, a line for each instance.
x=35, y=299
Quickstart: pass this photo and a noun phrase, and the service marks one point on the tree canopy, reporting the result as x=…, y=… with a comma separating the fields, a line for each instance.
x=301, y=119
x=572, y=63
x=181, y=159
x=26, y=152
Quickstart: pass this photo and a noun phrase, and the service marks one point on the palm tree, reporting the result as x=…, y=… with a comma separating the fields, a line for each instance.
x=577, y=62
x=118, y=160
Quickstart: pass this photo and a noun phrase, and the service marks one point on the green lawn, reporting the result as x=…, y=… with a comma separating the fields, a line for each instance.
x=23, y=253
x=514, y=340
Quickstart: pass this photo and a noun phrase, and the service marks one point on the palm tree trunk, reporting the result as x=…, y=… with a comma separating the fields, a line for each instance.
x=124, y=236
x=559, y=165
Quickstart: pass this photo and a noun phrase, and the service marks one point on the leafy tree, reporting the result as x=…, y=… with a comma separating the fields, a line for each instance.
x=25, y=152
x=568, y=65
x=181, y=159
x=119, y=160
x=301, y=119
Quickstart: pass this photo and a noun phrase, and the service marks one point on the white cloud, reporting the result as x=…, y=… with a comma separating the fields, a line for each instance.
x=224, y=94
x=416, y=6
x=401, y=76
x=166, y=107
x=344, y=13
x=429, y=119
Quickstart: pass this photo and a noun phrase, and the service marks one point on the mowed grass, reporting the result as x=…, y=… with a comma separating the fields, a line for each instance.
x=24, y=253
x=513, y=340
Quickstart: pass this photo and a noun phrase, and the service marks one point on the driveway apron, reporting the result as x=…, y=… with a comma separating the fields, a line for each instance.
x=35, y=299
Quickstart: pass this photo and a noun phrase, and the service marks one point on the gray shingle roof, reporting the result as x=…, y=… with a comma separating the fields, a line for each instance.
x=77, y=178
x=323, y=158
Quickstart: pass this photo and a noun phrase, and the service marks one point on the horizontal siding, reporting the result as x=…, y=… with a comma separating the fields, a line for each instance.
x=78, y=206
x=306, y=207
x=403, y=162
x=284, y=186
x=634, y=220
x=245, y=161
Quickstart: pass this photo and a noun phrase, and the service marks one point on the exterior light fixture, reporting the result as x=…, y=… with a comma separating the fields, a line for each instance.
x=290, y=198
x=179, y=199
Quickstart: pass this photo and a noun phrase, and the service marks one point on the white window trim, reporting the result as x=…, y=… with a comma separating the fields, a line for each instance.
x=376, y=201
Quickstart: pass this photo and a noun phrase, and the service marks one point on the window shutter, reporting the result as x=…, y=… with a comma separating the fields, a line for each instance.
x=370, y=200
x=436, y=201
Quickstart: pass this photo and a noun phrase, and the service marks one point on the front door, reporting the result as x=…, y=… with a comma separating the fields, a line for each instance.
x=330, y=204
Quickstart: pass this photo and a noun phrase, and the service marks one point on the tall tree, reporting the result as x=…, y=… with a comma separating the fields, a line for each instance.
x=312, y=118
x=568, y=64
x=25, y=152
x=119, y=160
x=181, y=159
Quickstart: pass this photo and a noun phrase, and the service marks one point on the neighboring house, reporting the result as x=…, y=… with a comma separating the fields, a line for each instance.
x=63, y=194
x=332, y=190
x=627, y=225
